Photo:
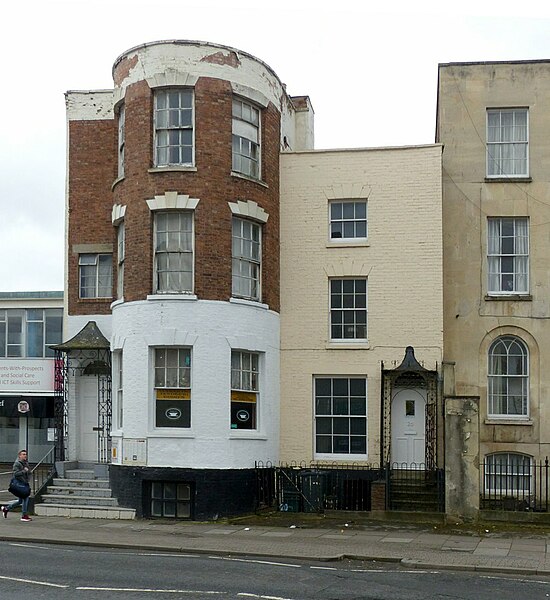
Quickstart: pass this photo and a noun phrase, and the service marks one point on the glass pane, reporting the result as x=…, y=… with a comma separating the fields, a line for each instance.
x=322, y=387
x=323, y=444
x=324, y=425
x=35, y=339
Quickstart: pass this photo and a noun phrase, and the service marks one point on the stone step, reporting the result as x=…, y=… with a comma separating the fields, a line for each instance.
x=60, y=489
x=79, y=474
x=72, y=499
x=88, y=483
x=84, y=511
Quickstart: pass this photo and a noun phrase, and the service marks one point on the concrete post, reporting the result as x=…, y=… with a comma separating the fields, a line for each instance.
x=462, y=457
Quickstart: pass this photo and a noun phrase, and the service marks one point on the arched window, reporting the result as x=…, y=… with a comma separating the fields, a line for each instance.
x=507, y=473
x=508, y=378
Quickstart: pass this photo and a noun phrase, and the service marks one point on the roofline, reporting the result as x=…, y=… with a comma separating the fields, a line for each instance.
x=194, y=43
x=495, y=62
x=31, y=295
x=364, y=149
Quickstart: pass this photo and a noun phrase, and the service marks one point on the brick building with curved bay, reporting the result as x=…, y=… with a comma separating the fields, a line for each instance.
x=173, y=255
x=235, y=297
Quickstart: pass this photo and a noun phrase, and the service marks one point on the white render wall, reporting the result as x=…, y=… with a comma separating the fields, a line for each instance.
x=402, y=259
x=211, y=329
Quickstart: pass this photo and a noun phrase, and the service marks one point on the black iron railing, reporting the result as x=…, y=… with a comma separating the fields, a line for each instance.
x=315, y=487
x=413, y=488
x=43, y=473
x=519, y=485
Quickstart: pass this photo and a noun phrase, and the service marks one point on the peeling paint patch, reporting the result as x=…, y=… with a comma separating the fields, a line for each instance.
x=124, y=67
x=220, y=58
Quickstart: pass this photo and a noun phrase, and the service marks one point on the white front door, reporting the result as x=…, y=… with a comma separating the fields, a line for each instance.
x=87, y=403
x=408, y=426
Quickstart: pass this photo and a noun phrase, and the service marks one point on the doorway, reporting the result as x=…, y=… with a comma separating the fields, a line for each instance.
x=408, y=427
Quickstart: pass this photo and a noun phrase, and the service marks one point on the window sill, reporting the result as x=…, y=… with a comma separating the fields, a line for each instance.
x=116, y=182
x=348, y=244
x=341, y=458
x=504, y=421
x=183, y=296
x=511, y=179
x=509, y=298
x=359, y=345
x=184, y=168
x=94, y=300
x=171, y=432
x=253, y=435
x=248, y=178
x=249, y=303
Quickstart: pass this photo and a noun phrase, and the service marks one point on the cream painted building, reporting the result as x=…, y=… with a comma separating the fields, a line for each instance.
x=494, y=123
x=361, y=280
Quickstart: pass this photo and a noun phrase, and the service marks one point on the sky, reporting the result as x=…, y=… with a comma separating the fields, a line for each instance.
x=370, y=69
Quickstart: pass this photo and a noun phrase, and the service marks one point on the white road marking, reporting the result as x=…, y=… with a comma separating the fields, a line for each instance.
x=29, y=546
x=509, y=578
x=45, y=583
x=324, y=568
x=169, y=554
x=258, y=562
x=146, y=590
x=262, y=597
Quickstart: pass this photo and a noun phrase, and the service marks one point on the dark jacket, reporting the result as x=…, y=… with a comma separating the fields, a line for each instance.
x=19, y=470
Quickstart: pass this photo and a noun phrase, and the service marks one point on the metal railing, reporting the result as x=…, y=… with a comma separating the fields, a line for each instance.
x=413, y=488
x=43, y=473
x=522, y=486
x=315, y=487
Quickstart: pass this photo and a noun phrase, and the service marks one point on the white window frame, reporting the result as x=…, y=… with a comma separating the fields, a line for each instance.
x=345, y=217
x=510, y=468
x=502, y=382
x=121, y=139
x=246, y=244
x=99, y=289
x=350, y=317
x=507, y=143
x=172, y=378
x=121, y=251
x=119, y=383
x=246, y=138
x=507, y=255
x=178, y=122
x=329, y=413
x=173, y=251
x=245, y=384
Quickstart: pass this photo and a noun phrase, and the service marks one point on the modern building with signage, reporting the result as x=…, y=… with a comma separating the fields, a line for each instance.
x=29, y=323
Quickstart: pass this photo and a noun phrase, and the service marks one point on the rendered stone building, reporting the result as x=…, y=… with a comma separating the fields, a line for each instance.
x=494, y=124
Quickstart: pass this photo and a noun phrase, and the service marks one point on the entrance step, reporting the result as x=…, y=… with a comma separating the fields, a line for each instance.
x=82, y=491
x=85, y=512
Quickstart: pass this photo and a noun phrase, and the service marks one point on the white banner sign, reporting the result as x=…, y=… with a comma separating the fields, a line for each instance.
x=27, y=376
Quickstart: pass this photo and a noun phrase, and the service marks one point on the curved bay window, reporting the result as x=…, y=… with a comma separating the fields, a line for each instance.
x=508, y=378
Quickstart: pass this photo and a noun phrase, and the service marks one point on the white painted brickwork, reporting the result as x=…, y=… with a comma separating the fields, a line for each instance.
x=402, y=260
x=211, y=329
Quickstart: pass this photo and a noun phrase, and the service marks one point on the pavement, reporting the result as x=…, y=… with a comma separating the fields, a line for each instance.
x=422, y=546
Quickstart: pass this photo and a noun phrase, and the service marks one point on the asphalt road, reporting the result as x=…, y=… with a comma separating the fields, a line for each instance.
x=30, y=571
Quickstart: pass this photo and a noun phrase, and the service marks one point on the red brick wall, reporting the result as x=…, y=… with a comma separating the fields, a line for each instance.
x=92, y=170
x=211, y=183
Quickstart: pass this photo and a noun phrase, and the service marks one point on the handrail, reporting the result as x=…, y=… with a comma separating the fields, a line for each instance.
x=43, y=459
x=41, y=478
